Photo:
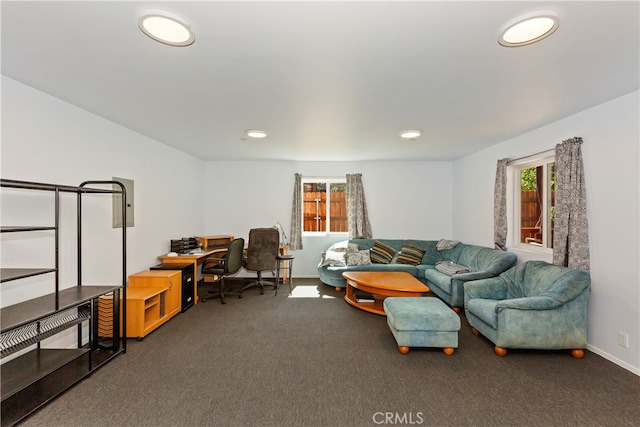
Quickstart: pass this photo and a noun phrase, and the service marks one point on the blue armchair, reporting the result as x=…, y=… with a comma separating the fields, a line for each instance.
x=534, y=305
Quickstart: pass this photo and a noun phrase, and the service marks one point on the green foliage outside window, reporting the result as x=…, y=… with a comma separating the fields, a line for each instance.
x=528, y=178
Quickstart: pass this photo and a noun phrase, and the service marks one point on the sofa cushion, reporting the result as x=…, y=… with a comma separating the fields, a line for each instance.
x=381, y=253
x=410, y=255
x=486, y=259
x=441, y=280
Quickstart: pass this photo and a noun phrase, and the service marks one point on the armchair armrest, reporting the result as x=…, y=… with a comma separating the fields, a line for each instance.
x=491, y=288
x=212, y=261
x=473, y=275
x=529, y=303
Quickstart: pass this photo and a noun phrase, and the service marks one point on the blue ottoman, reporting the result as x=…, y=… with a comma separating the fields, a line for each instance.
x=422, y=322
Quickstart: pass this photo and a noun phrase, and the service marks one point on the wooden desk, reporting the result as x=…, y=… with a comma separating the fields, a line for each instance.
x=196, y=260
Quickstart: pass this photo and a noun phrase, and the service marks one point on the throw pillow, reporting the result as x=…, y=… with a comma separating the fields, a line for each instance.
x=445, y=245
x=358, y=258
x=410, y=255
x=335, y=258
x=381, y=253
x=344, y=246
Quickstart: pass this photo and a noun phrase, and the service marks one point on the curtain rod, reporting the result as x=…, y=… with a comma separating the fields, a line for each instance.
x=550, y=150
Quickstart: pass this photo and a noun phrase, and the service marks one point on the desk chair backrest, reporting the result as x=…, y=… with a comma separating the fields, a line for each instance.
x=264, y=246
x=234, y=256
x=223, y=267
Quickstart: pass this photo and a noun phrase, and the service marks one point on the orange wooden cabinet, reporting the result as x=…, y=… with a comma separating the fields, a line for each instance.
x=168, y=279
x=145, y=311
x=153, y=297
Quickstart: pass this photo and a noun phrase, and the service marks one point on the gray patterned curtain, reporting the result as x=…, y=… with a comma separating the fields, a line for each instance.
x=571, y=228
x=296, y=215
x=500, y=206
x=357, y=217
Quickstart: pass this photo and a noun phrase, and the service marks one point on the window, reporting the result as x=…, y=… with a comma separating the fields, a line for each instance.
x=534, y=202
x=324, y=206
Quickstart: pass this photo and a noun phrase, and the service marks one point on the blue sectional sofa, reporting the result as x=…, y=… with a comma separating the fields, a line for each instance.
x=483, y=262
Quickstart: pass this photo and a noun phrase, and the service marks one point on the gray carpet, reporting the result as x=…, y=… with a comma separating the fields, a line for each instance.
x=314, y=360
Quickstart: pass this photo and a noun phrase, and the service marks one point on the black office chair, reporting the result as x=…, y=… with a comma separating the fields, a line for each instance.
x=264, y=247
x=223, y=267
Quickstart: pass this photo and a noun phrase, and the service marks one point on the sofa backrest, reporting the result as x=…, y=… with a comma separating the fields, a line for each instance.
x=479, y=258
x=539, y=278
x=429, y=246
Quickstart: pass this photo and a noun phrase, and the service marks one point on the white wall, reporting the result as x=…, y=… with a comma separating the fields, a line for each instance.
x=611, y=155
x=404, y=200
x=45, y=139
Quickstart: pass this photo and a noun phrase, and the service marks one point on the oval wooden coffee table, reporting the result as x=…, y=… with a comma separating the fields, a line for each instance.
x=381, y=284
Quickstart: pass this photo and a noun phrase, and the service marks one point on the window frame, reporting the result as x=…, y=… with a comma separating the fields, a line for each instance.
x=515, y=170
x=328, y=181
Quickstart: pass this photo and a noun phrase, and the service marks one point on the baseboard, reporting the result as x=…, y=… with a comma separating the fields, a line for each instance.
x=610, y=358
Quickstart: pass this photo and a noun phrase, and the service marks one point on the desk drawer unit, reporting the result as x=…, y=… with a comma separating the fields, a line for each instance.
x=187, y=294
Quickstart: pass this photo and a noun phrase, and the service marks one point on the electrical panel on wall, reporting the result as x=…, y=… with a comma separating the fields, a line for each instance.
x=117, y=203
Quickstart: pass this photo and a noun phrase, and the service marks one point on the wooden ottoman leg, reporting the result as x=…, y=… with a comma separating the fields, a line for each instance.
x=448, y=351
x=475, y=332
x=403, y=349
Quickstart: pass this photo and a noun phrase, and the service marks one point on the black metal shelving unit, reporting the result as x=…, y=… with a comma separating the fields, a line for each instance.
x=36, y=375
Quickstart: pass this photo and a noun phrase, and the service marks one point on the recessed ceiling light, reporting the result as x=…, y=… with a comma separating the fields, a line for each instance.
x=529, y=29
x=256, y=133
x=166, y=28
x=411, y=134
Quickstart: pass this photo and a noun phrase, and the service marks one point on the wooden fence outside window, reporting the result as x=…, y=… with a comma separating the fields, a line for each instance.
x=315, y=211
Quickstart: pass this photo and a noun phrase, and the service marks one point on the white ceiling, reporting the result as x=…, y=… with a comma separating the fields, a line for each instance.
x=328, y=80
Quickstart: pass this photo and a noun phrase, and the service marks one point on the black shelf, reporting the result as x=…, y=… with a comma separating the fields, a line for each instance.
x=35, y=309
x=23, y=228
x=19, y=373
x=9, y=274
x=18, y=339
x=30, y=185
x=37, y=375
x=35, y=378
